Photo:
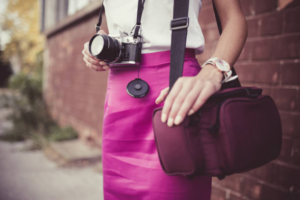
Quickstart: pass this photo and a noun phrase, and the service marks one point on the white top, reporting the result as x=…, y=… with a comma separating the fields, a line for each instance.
x=156, y=18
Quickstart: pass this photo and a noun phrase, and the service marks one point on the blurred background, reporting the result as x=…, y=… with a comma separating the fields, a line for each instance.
x=51, y=104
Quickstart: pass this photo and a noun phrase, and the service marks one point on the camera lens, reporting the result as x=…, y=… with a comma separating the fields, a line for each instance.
x=104, y=47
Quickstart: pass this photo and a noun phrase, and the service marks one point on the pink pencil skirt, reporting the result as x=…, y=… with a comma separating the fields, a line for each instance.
x=131, y=167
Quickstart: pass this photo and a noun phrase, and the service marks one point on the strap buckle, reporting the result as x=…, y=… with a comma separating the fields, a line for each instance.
x=179, y=23
x=97, y=27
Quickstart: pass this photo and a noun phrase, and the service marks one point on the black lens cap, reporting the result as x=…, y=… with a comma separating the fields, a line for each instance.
x=137, y=88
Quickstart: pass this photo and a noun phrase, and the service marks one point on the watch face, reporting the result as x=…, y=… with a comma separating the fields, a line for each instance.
x=222, y=65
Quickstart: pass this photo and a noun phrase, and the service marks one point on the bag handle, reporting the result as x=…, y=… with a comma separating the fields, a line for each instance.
x=179, y=27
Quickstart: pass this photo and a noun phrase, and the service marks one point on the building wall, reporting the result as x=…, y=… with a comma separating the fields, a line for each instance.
x=74, y=93
x=270, y=60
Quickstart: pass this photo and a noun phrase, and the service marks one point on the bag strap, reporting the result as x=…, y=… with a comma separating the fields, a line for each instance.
x=179, y=27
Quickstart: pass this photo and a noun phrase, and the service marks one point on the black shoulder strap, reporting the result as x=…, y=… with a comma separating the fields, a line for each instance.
x=179, y=26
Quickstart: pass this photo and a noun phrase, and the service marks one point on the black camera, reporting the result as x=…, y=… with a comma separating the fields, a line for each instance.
x=116, y=52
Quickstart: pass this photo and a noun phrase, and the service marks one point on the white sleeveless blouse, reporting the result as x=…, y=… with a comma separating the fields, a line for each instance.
x=157, y=14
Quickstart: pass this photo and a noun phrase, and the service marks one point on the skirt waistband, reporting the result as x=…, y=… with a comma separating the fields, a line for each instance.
x=162, y=57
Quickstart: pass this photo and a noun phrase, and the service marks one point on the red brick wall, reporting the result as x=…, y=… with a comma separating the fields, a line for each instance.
x=270, y=60
x=75, y=94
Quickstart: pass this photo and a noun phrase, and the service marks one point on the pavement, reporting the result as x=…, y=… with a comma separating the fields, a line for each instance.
x=68, y=170
x=29, y=175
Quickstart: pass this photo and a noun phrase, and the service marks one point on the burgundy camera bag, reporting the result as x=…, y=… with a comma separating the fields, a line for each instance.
x=236, y=130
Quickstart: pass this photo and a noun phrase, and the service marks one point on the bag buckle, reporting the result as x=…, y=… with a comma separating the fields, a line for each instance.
x=251, y=96
x=179, y=23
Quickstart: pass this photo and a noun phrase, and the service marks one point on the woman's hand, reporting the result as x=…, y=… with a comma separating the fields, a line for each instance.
x=92, y=62
x=189, y=94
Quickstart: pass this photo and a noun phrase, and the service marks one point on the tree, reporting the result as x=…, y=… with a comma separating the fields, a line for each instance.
x=21, y=20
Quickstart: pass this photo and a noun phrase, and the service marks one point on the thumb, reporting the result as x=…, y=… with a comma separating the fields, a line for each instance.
x=162, y=96
x=101, y=32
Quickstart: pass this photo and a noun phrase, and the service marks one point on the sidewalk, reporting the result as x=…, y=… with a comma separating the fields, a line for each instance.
x=29, y=175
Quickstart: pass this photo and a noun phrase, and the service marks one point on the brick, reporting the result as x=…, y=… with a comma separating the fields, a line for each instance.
x=262, y=49
x=295, y=3
x=206, y=3
x=258, y=191
x=206, y=16
x=285, y=98
x=246, y=52
x=287, y=47
x=247, y=6
x=253, y=27
x=283, y=3
x=211, y=34
x=272, y=24
x=251, y=188
x=286, y=150
x=290, y=124
x=206, y=54
x=274, y=194
x=266, y=90
x=259, y=73
x=285, y=176
x=265, y=5
x=296, y=152
x=237, y=197
x=291, y=73
x=217, y=194
x=292, y=20
x=263, y=173
x=232, y=182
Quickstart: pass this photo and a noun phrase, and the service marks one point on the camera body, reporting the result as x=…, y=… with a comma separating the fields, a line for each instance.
x=116, y=52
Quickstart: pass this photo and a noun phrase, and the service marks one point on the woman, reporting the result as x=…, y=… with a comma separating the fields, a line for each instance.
x=131, y=167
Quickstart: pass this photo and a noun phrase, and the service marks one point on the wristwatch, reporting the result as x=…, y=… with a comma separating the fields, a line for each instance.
x=221, y=66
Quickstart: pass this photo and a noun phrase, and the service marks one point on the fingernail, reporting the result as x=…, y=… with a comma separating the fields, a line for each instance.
x=163, y=117
x=191, y=112
x=178, y=120
x=105, y=67
x=156, y=101
x=170, y=122
x=102, y=63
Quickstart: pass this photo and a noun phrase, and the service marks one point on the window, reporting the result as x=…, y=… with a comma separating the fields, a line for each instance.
x=75, y=5
x=54, y=11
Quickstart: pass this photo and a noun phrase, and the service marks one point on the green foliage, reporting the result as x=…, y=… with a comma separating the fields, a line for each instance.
x=30, y=115
x=61, y=134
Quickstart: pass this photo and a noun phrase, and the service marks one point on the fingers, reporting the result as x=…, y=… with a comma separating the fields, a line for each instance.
x=170, y=101
x=187, y=104
x=97, y=67
x=162, y=95
x=92, y=62
x=187, y=95
x=182, y=101
x=208, y=90
x=86, y=51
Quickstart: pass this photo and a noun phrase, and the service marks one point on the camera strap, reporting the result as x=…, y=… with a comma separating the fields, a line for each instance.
x=137, y=26
x=179, y=27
